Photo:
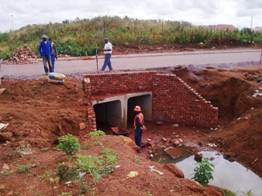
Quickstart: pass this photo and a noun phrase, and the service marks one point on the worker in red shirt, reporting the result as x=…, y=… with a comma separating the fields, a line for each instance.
x=138, y=125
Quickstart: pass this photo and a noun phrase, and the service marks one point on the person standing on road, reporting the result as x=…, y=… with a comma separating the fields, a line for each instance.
x=108, y=53
x=53, y=54
x=44, y=50
x=139, y=126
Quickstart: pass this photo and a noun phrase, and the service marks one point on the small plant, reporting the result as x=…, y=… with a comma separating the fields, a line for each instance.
x=97, y=133
x=66, y=172
x=98, y=166
x=203, y=172
x=66, y=194
x=109, y=158
x=69, y=144
x=90, y=164
x=23, y=168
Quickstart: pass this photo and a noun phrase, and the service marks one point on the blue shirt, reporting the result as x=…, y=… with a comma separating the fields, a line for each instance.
x=45, y=48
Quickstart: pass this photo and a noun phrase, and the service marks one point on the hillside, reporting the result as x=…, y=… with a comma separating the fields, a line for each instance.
x=81, y=37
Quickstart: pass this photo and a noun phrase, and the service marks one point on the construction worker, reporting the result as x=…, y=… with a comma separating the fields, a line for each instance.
x=138, y=125
x=108, y=53
x=53, y=54
x=44, y=50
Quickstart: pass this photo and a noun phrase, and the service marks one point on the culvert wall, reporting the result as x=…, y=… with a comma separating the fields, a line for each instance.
x=172, y=99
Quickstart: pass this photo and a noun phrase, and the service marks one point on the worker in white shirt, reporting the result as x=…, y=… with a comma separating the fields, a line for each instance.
x=108, y=53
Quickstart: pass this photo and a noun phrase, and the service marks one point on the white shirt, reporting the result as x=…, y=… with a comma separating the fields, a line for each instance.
x=108, y=46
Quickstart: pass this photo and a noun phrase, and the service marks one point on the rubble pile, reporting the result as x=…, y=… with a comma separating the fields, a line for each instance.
x=23, y=55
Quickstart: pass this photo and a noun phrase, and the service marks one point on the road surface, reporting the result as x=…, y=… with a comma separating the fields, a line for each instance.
x=141, y=61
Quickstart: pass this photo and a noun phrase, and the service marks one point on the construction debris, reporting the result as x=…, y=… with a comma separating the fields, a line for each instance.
x=3, y=125
x=23, y=55
x=132, y=174
x=152, y=169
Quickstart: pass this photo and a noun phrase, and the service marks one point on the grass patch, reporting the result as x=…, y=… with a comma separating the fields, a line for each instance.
x=98, y=166
x=23, y=168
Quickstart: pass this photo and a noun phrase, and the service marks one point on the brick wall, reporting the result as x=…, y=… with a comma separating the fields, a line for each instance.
x=120, y=82
x=173, y=99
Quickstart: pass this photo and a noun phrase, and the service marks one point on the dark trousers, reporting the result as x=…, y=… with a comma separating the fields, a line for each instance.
x=47, y=60
x=138, y=136
x=107, y=62
x=53, y=62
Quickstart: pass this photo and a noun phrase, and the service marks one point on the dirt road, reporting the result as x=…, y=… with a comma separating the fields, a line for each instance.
x=142, y=61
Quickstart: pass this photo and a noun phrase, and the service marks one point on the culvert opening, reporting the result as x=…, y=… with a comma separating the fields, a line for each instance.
x=108, y=114
x=145, y=101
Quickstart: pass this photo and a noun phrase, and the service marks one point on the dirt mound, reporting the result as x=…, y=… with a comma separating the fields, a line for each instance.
x=240, y=111
x=228, y=90
x=38, y=112
x=23, y=55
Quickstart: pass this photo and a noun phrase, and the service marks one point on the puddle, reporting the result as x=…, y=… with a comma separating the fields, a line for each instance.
x=228, y=175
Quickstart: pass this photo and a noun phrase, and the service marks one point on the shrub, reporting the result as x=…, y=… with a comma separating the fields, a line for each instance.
x=66, y=172
x=203, y=172
x=23, y=168
x=69, y=144
x=97, y=133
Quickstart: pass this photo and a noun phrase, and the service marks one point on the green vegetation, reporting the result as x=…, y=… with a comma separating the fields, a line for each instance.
x=98, y=166
x=23, y=168
x=69, y=144
x=82, y=37
x=228, y=193
x=66, y=172
x=96, y=134
x=203, y=172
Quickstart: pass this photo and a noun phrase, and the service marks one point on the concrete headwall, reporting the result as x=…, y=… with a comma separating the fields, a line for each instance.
x=172, y=99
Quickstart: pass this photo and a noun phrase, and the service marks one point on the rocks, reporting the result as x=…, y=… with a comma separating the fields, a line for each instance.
x=82, y=126
x=198, y=157
x=2, y=90
x=175, y=125
x=164, y=139
x=175, y=153
x=175, y=170
x=177, y=141
x=5, y=167
x=23, y=55
x=6, y=136
x=159, y=123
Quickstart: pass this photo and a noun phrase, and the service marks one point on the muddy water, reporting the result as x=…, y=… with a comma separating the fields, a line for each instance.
x=229, y=175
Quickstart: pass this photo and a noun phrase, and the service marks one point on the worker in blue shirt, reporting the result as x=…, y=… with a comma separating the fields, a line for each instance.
x=45, y=52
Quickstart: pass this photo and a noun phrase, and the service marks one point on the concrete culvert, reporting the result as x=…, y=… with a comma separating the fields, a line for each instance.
x=145, y=102
x=108, y=114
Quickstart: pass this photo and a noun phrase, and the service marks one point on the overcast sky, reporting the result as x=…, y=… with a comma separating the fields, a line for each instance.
x=17, y=13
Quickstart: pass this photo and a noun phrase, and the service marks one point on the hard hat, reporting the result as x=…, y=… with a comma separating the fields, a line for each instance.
x=137, y=109
x=44, y=36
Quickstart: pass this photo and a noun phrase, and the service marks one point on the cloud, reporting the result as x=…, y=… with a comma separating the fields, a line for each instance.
x=15, y=14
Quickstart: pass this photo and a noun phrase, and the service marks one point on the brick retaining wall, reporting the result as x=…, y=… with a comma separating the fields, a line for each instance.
x=173, y=100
